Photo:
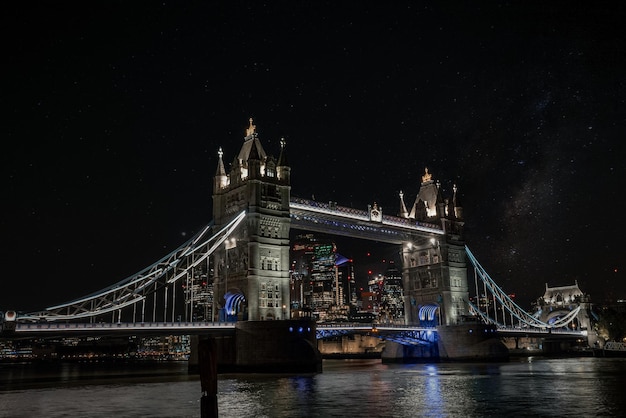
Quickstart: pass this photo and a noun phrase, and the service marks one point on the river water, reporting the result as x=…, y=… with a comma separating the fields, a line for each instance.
x=533, y=386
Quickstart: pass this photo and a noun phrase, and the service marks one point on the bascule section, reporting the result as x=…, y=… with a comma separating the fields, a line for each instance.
x=251, y=278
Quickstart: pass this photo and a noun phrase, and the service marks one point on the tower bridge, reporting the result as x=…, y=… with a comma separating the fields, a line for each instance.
x=245, y=253
x=430, y=235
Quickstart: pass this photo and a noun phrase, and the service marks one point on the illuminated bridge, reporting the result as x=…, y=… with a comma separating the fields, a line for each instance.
x=147, y=302
x=245, y=253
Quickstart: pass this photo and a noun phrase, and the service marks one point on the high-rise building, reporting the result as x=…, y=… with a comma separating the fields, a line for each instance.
x=198, y=291
x=392, y=297
x=317, y=283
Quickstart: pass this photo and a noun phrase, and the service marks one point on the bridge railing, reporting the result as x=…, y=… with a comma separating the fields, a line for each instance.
x=361, y=215
x=374, y=326
x=60, y=326
x=536, y=330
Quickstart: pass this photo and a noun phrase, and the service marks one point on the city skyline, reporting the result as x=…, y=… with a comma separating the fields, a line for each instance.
x=116, y=112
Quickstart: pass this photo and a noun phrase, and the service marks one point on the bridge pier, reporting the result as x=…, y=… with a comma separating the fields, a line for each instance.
x=400, y=353
x=462, y=342
x=287, y=346
x=470, y=342
x=225, y=353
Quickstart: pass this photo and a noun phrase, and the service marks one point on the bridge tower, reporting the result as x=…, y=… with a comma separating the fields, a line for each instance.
x=434, y=269
x=559, y=301
x=251, y=274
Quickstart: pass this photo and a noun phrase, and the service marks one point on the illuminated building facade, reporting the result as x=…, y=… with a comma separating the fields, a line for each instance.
x=385, y=297
x=319, y=287
x=435, y=271
x=251, y=277
x=252, y=270
x=198, y=290
x=560, y=301
x=392, y=297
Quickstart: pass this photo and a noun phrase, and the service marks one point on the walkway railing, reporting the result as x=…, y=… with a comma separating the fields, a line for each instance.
x=164, y=328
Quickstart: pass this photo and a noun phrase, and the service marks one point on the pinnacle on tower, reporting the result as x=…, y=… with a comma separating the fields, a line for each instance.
x=220, y=163
x=404, y=213
x=282, y=158
x=250, y=130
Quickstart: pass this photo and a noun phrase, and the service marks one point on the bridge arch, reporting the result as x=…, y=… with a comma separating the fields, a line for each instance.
x=235, y=305
x=429, y=315
x=559, y=315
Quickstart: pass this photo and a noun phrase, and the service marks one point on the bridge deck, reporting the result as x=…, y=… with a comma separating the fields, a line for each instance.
x=227, y=327
x=103, y=328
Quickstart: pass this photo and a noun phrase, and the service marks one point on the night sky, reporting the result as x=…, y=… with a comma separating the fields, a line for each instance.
x=113, y=113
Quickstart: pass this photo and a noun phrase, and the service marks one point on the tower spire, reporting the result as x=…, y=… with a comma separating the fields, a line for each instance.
x=250, y=130
x=427, y=176
x=282, y=158
x=220, y=163
x=403, y=212
x=221, y=178
x=283, y=169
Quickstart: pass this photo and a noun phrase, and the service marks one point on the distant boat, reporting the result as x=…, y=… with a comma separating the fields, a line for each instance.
x=612, y=349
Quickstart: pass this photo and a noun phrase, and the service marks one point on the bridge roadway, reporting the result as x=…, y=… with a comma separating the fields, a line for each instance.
x=402, y=333
x=65, y=329
x=411, y=335
x=540, y=332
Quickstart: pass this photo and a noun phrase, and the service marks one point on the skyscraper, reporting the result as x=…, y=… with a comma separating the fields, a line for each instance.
x=317, y=284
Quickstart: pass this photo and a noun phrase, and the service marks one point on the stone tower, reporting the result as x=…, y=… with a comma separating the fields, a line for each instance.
x=434, y=269
x=251, y=274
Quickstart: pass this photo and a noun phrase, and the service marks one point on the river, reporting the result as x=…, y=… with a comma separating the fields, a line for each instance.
x=533, y=386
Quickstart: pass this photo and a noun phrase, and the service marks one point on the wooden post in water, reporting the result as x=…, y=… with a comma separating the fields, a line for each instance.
x=207, y=359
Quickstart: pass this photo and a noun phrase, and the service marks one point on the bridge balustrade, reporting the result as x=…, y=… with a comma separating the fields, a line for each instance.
x=52, y=326
x=362, y=215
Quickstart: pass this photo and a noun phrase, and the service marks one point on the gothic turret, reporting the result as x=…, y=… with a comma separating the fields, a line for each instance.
x=254, y=161
x=283, y=169
x=251, y=141
x=235, y=172
x=429, y=204
x=458, y=208
x=404, y=213
x=251, y=279
x=221, y=179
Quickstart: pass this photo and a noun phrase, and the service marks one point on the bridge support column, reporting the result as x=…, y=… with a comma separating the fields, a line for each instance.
x=471, y=341
x=225, y=351
x=399, y=353
x=277, y=347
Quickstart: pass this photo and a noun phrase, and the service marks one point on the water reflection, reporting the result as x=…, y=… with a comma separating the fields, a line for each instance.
x=540, y=387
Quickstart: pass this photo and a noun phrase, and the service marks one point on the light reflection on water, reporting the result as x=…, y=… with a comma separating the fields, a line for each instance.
x=524, y=387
